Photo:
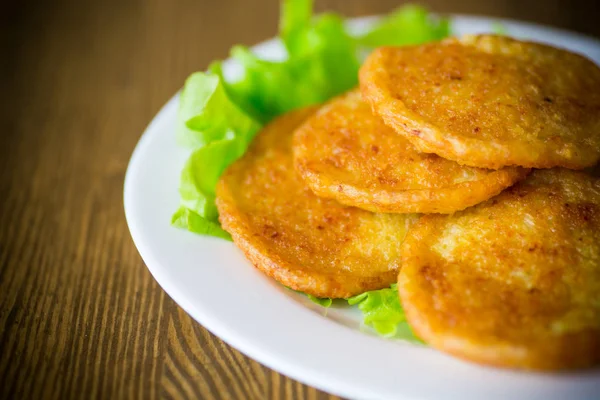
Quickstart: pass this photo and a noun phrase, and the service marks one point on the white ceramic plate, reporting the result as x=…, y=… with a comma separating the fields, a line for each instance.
x=325, y=348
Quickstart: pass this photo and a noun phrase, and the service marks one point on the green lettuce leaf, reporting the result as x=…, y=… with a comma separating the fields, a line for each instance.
x=187, y=219
x=202, y=171
x=322, y=301
x=294, y=19
x=219, y=130
x=321, y=63
x=407, y=25
x=383, y=312
x=270, y=88
x=207, y=113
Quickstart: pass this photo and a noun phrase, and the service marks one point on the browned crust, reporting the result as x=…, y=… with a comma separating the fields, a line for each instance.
x=441, y=200
x=475, y=305
x=573, y=144
x=346, y=125
x=313, y=245
x=291, y=275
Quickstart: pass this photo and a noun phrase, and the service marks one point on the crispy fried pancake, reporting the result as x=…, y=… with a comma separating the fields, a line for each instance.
x=346, y=153
x=489, y=101
x=310, y=244
x=513, y=281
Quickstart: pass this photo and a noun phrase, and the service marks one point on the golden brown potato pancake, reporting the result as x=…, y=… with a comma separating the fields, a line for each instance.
x=513, y=281
x=346, y=153
x=314, y=245
x=489, y=101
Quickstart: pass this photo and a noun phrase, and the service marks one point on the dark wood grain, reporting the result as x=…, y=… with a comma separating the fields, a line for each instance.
x=80, y=315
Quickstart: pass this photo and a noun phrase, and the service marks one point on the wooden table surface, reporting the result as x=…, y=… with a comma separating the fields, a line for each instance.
x=80, y=315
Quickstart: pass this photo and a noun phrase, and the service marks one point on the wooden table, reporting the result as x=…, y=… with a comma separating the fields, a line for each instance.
x=80, y=315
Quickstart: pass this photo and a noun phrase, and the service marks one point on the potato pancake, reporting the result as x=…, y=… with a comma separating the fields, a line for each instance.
x=313, y=245
x=345, y=152
x=489, y=101
x=513, y=281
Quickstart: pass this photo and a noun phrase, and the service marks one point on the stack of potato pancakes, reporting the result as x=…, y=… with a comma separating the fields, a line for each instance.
x=449, y=171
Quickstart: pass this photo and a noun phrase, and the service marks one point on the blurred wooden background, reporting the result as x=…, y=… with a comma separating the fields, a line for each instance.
x=80, y=315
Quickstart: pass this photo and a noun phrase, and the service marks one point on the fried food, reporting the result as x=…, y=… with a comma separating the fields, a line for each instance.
x=313, y=245
x=594, y=171
x=489, y=101
x=513, y=281
x=346, y=153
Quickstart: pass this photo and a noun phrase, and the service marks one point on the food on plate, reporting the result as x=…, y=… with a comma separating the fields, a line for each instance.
x=345, y=152
x=489, y=101
x=513, y=281
x=307, y=243
x=342, y=197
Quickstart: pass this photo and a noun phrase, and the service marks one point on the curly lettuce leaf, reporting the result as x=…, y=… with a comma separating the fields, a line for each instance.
x=202, y=171
x=408, y=25
x=219, y=130
x=294, y=19
x=322, y=301
x=383, y=312
x=207, y=113
x=270, y=88
x=187, y=219
x=321, y=63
